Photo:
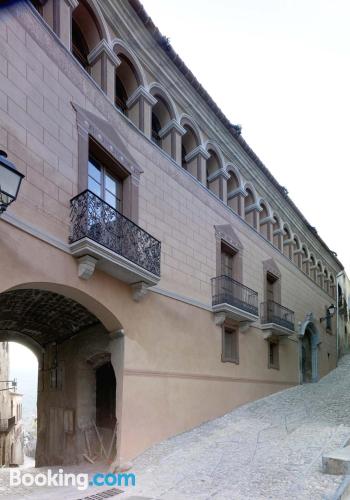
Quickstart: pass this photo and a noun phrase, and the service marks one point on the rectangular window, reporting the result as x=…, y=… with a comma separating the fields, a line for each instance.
x=105, y=185
x=230, y=345
x=227, y=256
x=273, y=353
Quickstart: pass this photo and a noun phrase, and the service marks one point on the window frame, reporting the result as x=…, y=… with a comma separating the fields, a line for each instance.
x=232, y=357
x=274, y=364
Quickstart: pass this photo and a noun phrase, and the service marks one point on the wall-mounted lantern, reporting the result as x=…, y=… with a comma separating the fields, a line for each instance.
x=329, y=315
x=10, y=182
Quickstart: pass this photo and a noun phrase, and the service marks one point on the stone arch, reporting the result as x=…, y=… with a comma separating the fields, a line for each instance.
x=159, y=92
x=190, y=140
x=277, y=231
x=59, y=323
x=265, y=226
x=89, y=29
x=163, y=117
x=287, y=241
x=187, y=121
x=319, y=273
x=214, y=167
x=309, y=340
x=251, y=205
x=213, y=147
x=120, y=48
x=297, y=251
x=305, y=255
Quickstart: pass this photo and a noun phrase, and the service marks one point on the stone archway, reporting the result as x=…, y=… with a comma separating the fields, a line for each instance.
x=60, y=331
x=309, y=340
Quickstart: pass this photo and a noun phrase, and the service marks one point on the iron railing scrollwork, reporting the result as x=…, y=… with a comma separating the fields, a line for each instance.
x=226, y=290
x=272, y=312
x=93, y=218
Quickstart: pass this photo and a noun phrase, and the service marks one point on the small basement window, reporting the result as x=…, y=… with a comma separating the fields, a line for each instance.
x=230, y=345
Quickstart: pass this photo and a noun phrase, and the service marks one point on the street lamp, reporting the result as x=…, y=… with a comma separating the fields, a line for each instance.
x=10, y=182
x=329, y=314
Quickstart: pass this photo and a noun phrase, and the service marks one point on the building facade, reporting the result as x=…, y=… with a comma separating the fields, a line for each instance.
x=151, y=261
x=11, y=431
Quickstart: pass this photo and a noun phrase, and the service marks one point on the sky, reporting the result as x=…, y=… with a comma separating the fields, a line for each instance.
x=281, y=69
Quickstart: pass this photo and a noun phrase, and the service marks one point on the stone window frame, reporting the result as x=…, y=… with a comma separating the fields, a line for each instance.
x=234, y=331
x=276, y=364
x=97, y=130
x=226, y=235
x=270, y=268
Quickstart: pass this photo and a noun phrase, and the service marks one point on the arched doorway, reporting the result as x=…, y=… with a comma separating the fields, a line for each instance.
x=308, y=350
x=73, y=393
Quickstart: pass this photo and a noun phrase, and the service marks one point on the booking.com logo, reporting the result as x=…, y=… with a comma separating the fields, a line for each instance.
x=60, y=478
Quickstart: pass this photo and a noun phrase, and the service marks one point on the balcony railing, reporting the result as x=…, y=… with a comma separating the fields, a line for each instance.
x=226, y=290
x=6, y=424
x=272, y=312
x=93, y=218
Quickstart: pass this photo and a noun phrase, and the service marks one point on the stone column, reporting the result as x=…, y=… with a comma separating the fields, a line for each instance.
x=103, y=63
x=278, y=235
x=196, y=163
x=171, y=135
x=268, y=221
x=255, y=210
x=62, y=20
x=218, y=183
x=235, y=200
x=139, y=106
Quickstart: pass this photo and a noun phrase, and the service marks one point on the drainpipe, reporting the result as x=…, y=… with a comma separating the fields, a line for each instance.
x=339, y=275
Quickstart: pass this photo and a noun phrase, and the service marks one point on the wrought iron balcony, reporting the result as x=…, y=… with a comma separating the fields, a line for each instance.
x=120, y=246
x=277, y=318
x=6, y=424
x=234, y=299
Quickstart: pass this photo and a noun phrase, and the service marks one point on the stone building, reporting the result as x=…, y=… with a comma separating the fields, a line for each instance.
x=343, y=313
x=11, y=432
x=151, y=261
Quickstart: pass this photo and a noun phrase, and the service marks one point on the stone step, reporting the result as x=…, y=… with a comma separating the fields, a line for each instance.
x=337, y=461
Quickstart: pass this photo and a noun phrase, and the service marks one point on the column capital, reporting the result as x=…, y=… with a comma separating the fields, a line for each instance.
x=219, y=173
x=198, y=151
x=137, y=94
x=103, y=48
x=170, y=126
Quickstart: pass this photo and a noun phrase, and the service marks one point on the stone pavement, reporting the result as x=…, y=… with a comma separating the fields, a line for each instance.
x=268, y=449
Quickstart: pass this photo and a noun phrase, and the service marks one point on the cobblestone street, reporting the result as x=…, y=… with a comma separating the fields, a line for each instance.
x=268, y=449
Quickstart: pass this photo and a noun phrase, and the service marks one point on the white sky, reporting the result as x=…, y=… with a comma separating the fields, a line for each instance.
x=22, y=360
x=281, y=69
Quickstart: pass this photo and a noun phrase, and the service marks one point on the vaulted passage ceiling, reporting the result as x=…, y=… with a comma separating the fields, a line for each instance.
x=42, y=315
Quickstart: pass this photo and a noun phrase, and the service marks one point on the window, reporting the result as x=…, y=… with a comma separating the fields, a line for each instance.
x=102, y=183
x=227, y=261
x=273, y=361
x=229, y=345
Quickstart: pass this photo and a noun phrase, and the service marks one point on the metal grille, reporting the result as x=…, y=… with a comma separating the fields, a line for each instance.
x=113, y=492
x=272, y=312
x=226, y=290
x=93, y=218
